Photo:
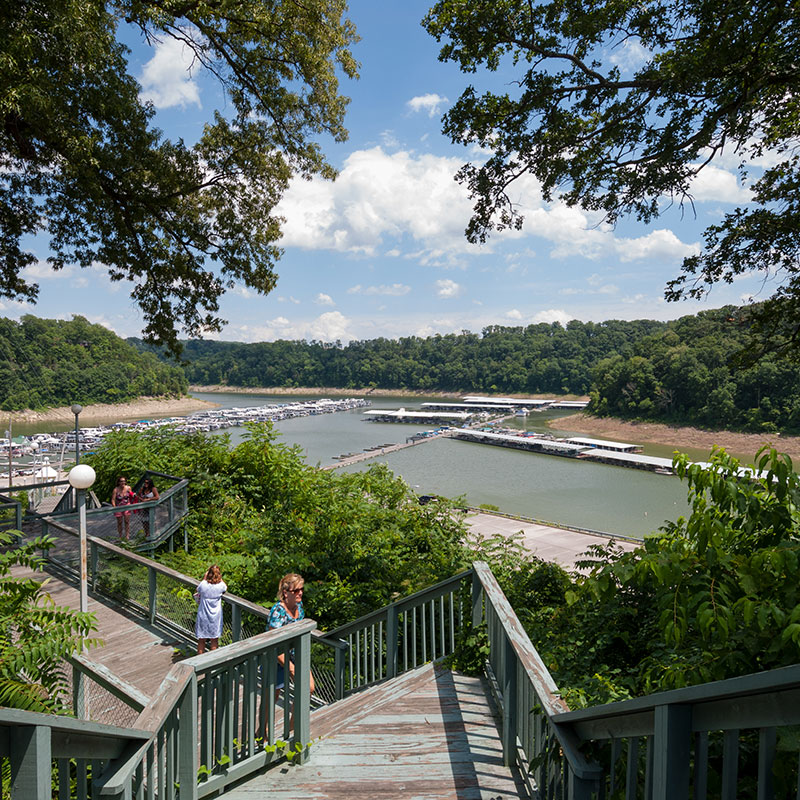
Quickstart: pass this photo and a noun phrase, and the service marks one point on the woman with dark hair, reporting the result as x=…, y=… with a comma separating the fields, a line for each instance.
x=123, y=495
x=147, y=492
x=209, y=609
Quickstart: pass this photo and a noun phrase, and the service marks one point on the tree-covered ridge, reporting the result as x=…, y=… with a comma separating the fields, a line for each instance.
x=684, y=371
x=50, y=363
x=539, y=358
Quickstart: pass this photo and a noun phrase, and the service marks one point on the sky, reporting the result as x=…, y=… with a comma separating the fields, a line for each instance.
x=381, y=251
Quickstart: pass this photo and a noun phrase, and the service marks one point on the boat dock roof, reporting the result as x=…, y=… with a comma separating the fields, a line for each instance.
x=622, y=447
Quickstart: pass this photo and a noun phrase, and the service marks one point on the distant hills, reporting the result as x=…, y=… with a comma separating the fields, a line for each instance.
x=47, y=363
x=680, y=371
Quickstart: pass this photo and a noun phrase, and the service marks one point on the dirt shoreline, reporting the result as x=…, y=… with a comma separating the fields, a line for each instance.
x=143, y=408
x=678, y=437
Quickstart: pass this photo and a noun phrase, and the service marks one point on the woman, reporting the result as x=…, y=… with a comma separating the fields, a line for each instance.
x=123, y=496
x=288, y=609
x=208, y=627
x=147, y=492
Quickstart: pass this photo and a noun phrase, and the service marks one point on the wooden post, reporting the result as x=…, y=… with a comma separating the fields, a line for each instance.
x=30, y=763
x=477, y=607
x=302, y=696
x=338, y=669
x=509, y=679
x=236, y=622
x=79, y=694
x=93, y=560
x=391, y=641
x=672, y=739
x=187, y=742
x=151, y=580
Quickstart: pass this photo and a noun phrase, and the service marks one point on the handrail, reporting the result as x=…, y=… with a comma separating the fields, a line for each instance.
x=525, y=684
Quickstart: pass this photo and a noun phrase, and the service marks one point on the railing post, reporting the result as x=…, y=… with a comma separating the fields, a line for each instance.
x=18, y=515
x=391, y=641
x=672, y=736
x=509, y=703
x=79, y=694
x=187, y=742
x=302, y=696
x=30, y=763
x=236, y=622
x=93, y=560
x=338, y=669
x=477, y=606
x=151, y=580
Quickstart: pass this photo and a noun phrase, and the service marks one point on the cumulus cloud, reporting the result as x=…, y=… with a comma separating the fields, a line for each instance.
x=553, y=315
x=660, y=245
x=718, y=185
x=167, y=77
x=447, y=288
x=395, y=290
x=324, y=300
x=429, y=103
x=330, y=326
x=630, y=55
x=514, y=314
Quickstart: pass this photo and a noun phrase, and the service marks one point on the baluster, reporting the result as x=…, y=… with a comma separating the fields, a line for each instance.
x=286, y=703
x=442, y=650
x=766, y=756
x=338, y=667
x=509, y=683
x=236, y=683
x=414, y=635
x=64, y=788
x=353, y=684
x=372, y=652
x=391, y=641
x=615, y=750
x=81, y=781
x=648, y=770
x=169, y=751
x=236, y=622
x=380, y=649
x=161, y=762
x=433, y=629
x=452, y=623
x=730, y=764
x=302, y=696
x=405, y=641
x=151, y=772
x=477, y=600
x=269, y=673
x=424, y=635
x=632, y=769
x=220, y=711
x=701, y=766
x=366, y=655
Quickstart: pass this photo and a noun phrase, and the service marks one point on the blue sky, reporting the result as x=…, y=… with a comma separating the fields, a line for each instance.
x=381, y=251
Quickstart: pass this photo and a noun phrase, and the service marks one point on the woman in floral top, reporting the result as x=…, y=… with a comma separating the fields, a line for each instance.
x=288, y=609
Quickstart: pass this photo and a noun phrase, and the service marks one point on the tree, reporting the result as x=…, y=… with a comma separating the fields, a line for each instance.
x=81, y=161
x=35, y=634
x=715, y=75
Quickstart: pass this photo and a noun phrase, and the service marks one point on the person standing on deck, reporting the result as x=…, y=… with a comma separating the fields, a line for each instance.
x=208, y=596
x=288, y=609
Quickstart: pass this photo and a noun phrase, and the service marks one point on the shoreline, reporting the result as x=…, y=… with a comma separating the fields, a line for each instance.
x=678, y=436
x=144, y=407
x=364, y=391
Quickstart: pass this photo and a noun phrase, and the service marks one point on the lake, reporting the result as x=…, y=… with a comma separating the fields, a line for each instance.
x=563, y=490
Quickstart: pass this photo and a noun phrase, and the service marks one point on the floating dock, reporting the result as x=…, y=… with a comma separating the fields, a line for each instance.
x=418, y=417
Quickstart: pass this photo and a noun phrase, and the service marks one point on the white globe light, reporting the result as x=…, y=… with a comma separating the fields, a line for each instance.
x=82, y=476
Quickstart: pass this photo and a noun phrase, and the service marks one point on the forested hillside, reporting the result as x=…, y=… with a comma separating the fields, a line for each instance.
x=680, y=371
x=545, y=358
x=49, y=363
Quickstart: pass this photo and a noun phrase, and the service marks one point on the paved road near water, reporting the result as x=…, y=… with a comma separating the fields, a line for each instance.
x=563, y=546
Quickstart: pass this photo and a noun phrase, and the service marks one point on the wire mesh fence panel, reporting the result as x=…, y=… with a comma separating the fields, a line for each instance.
x=123, y=579
x=96, y=703
x=175, y=602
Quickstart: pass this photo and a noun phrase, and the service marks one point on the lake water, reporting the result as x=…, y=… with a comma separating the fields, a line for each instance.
x=562, y=490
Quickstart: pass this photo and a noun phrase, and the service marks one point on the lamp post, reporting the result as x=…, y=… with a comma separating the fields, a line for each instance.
x=81, y=477
x=76, y=410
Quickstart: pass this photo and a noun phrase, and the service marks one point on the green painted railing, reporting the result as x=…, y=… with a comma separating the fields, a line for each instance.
x=213, y=721
x=150, y=523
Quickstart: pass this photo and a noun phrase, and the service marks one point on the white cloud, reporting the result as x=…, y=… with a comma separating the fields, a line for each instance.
x=430, y=103
x=447, y=288
x=395, y=290
x=330, y=326
x=630, y=55
x=324, y=300
x=380, y=195
x=718, y=185
x=167, y=78
x=514, y=314
x=389, y=140
x=660, y=245
x=553, y=315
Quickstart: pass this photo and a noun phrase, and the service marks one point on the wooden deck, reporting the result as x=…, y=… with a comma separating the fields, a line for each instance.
x=429, y=733
x=133, y=650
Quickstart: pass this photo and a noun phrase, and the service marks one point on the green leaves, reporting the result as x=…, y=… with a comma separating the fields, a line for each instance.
x=82, y=162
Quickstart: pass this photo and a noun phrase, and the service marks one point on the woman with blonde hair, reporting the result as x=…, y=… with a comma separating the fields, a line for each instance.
x=208, y=596
x=288, y=609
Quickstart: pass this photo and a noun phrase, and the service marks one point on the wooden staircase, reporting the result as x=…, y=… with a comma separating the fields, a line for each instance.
x=429, y=733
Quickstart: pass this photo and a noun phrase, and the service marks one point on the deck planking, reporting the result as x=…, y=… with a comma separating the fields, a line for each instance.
x=429, y=733
x=132, y=649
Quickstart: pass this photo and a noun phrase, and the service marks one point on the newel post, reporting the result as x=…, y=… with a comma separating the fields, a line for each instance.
x=672, y=738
